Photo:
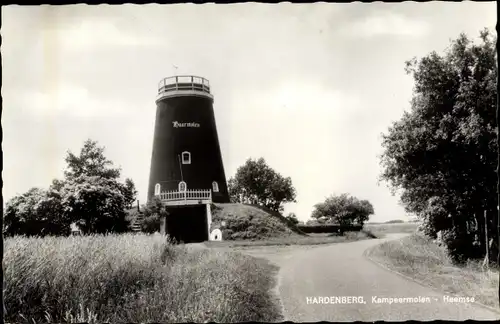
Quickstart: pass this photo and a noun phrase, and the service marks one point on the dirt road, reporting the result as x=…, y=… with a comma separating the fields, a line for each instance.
x=309, y=276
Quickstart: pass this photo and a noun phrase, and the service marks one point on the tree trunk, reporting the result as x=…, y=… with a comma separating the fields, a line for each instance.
x=486, y=239
x=493, y=235
x=498, y=186
x=481, y=231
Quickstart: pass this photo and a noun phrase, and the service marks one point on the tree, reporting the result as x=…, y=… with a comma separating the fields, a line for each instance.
x=91, y=162
x=153, y=212
x=256, y=183
x=498, y=192
x=292, y=218
x=441, y=156
x=37, y=212
x=342, y=209
x=90, y=195
x=129, y=193
x=95, y=204
x=93, y=196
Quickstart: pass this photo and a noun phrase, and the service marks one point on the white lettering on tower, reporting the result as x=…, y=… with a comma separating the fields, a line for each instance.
x=176, y=124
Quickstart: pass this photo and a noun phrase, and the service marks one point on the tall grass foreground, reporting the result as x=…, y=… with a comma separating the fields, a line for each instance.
x=132, y=278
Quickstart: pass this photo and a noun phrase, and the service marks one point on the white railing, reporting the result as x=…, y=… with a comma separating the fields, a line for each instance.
x=186, y=195
x=184, y=82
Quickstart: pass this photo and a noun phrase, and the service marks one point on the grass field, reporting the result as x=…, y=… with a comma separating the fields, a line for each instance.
x=310, y=239
x=423, y=260
x=379, y=229
x=133, y=278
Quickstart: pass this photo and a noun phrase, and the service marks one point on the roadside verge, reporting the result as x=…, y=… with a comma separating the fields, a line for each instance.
x=419, y=260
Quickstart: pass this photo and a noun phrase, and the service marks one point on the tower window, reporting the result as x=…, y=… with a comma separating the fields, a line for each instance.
x=186, y=158
x=182, y=186
x=215, y=186
x=157, y=189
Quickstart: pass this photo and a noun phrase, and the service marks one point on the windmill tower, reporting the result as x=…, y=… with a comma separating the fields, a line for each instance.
x=186, y=162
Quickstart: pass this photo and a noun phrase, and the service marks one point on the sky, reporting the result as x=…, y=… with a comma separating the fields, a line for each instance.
x=308, y=87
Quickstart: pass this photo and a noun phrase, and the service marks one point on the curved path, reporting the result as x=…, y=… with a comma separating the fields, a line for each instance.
x=341, y=270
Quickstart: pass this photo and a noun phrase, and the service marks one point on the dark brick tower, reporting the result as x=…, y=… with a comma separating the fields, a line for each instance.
x=186, y=151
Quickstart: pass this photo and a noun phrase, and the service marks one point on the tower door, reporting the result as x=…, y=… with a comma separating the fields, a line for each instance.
x=188, y=224
x=182, y=186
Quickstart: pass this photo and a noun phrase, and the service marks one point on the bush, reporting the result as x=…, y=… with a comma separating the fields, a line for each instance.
x=151, y=224
x=460, y=246
x=329, y=228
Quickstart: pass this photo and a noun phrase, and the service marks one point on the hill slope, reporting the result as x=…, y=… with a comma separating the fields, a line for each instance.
x=249, y=222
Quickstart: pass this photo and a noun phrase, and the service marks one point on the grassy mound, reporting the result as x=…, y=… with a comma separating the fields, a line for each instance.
x=249, y=222
x=133, y=279
x=428, y=263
